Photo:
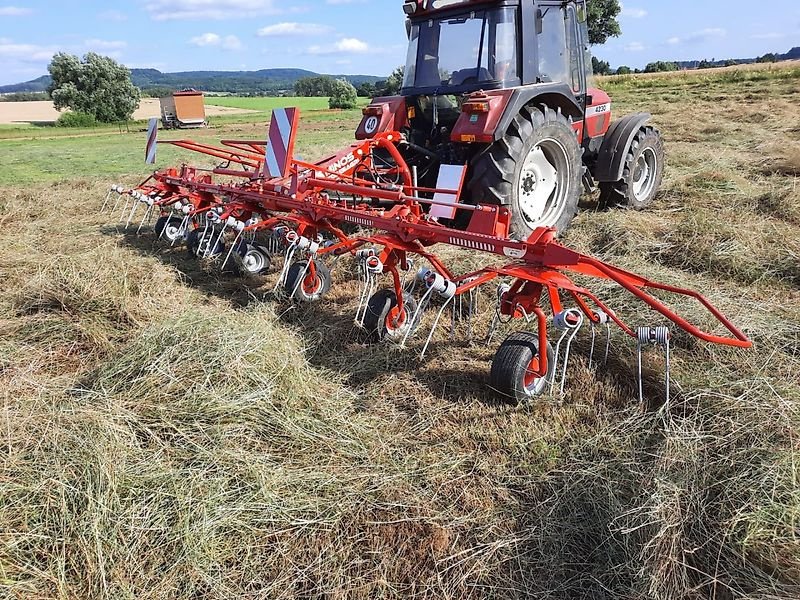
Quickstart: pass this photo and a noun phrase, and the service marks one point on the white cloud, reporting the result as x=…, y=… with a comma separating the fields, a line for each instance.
x=698, y=37
x=633, y=13
x=26, y=52
x=229, y=42
x=206, y=39
x=343, y=46
x=14, y=11
x=634, y=47
x=292, y=29
x=167, y=10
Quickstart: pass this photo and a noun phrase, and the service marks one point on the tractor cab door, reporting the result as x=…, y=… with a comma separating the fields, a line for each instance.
x=561, y=46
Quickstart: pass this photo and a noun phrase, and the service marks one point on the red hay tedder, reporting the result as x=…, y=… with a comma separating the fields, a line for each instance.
x=489, y=153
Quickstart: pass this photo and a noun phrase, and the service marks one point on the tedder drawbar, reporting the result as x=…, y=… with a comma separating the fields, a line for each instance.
x=262, y=202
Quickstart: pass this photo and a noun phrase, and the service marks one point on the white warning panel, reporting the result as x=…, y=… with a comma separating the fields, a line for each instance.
x=451, y=177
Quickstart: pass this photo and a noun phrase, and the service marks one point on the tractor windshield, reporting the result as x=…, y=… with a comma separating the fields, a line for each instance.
x=463, y=52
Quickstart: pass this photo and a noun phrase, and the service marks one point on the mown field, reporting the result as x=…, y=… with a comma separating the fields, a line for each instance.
x=267, y=104
x=171, y=433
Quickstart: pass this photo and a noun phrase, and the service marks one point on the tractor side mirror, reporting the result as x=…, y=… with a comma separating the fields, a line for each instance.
x=539, y=21
x=408, y=28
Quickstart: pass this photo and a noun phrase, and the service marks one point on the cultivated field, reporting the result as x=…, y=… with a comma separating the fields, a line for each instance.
x=169, y=433
x=44, y=112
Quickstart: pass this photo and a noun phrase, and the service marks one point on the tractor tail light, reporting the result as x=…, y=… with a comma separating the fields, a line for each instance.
x=473, y=107
x=372, y=111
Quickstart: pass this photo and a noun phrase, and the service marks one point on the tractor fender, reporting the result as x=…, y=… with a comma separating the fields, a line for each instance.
x=555, y=95
x=617, y=142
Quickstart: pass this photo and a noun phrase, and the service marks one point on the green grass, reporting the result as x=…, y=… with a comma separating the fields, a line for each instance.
x=41, y=154
x=267, y=104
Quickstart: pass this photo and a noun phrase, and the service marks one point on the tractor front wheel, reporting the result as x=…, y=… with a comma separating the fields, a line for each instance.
x=642, y=175
x=305, y=286
x=515, y=366
x=536, y=168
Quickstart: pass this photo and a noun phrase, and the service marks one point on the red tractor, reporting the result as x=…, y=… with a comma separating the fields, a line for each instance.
x=503, y=86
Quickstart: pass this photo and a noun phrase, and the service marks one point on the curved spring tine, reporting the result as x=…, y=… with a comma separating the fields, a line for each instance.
x=105, y=202
x=435, y=325
x=302, y=276
x=147, y=213
x=233, y=246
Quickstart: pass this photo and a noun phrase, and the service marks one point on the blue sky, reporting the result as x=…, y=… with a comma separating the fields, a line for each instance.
x=344, y=36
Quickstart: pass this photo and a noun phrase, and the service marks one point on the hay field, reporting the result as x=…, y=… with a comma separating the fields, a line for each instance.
x=170, y=433
x=44, y=112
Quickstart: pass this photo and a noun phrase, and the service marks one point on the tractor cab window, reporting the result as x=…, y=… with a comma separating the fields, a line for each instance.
x=560, y=49
x=477, y=48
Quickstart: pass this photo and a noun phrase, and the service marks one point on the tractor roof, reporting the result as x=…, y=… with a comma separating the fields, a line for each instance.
x=415, y=8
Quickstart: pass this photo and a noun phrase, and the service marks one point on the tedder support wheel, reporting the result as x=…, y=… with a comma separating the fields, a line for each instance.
x=642, y=175
x=383, y=319
x=514, y=366
x=313, y=286
x=169, y=228
x=255, y=260
x=197, y=243
x=536, y=168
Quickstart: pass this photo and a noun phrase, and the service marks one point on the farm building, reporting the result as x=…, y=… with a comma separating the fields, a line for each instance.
x=183, y=110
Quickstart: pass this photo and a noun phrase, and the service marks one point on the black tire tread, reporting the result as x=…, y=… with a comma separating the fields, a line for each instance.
x=618, y=193
x=510, y=363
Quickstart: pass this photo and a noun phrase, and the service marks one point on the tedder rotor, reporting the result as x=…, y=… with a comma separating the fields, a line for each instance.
x=369, y=203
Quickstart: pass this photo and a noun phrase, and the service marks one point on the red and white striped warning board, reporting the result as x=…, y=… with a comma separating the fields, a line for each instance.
x=280, y=143
x=152, y=142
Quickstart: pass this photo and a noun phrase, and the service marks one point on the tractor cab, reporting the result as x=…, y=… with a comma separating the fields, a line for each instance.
x=459, y=47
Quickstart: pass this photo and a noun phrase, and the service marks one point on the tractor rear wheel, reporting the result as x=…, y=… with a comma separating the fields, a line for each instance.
x=304, y=287
x=536, y=168
x=383, y=320
x=642, y=175
x=514, y=368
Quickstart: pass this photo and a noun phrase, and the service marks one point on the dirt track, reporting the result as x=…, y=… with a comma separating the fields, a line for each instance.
x=43, y=112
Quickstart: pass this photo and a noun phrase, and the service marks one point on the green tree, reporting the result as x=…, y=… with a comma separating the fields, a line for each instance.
x=768, y=58
x=394, y=82
x=603, y=22
x=97, y=85
x=624, y=70
x=343, y=95
x=314, y=86
x=660, y=66
x=600, y=67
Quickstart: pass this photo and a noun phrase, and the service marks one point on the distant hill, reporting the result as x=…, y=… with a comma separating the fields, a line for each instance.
x=793, y=54
x=235, y=82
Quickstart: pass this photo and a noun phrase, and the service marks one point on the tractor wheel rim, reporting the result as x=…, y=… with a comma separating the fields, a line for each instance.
x=254, y=261
x=532, y=383
x=644, y=174
x=542, y=184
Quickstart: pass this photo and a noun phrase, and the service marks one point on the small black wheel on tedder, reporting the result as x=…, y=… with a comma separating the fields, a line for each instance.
x=515, y=365
x=255, y=260
x=313, y=285
x=384, y=319
x=199, y=242
x=169, y=228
